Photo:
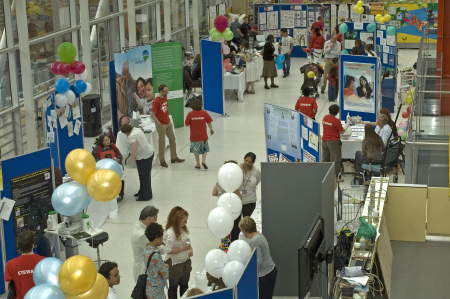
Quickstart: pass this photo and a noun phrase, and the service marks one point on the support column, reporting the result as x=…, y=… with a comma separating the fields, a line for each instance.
x=167, y=21
x=131, y=23
x=86, y=38
x=195, y=26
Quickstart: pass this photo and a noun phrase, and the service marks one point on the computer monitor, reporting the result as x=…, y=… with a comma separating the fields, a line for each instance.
x=310, y=256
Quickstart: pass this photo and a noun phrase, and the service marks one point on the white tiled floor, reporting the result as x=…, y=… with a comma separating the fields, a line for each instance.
x=182, y=185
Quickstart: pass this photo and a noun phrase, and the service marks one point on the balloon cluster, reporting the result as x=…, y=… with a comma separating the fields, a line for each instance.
x=227, y=65
x=383, y=19
x=76, y=278
x=406, y=114
x=408, y=101
x=66, y=93
x=228, y=266
x=221, y=32
x=100, y=181
x=358, y=8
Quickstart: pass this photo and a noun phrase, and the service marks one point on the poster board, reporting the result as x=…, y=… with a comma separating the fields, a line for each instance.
x=247, y=287
x=290, y=135
x=359, y=86
x=386, y=48
x=357, y=30
x=63, y=129
x=212, y=76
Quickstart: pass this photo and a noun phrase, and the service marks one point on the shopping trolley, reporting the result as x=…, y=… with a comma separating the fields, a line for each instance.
x=349, y=207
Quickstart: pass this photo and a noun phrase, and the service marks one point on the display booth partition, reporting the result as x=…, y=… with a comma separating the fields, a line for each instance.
x=292, y=195
x=221, y=294
x=247, y=287
x=357, y=30
x=27, y=180
x=212, y=76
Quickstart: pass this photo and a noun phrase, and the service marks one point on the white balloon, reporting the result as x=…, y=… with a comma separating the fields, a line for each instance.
x=215, y=261
x=232, y=273
x=88, y=88
x=232, y=203
x=83, y=76
x=230, y=177
x=239, y=251
x=71, y=97
x=61, y=100
x=220, y=222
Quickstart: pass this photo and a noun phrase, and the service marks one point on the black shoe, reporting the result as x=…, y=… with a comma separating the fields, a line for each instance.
x=266, y=87
x=285, y=75
x=141, y=199
x=136, y=195
x=274, y=86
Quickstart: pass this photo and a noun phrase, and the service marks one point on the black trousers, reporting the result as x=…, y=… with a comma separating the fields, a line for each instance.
x=144, y=168
x=247, y=210
x=267, y=285
x=179, y=276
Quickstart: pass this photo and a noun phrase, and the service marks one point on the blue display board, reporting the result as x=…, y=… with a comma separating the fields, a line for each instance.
x=13, y=168
x=212, y=77
x=357, y=30
x=247, y=287
x=386, y=48
x=359, y=86
x=64, y=130
x=221, y=294
x=290, y=136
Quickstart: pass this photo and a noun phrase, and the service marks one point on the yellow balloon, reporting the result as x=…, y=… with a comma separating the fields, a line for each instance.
x=382, y=20
x=77, y=275
x=104, y=185
x=99, y=290
x=387, y=18
x=378, y=17
x=359, y=3
x=311, y=74
x=80, y=164
x=409, y=100
x=356, y=9
x=360, y=10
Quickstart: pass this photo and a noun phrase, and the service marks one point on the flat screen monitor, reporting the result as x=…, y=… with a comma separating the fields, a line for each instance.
x=309, y=256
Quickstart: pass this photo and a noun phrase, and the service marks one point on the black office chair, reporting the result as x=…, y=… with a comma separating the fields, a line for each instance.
x=96, y=241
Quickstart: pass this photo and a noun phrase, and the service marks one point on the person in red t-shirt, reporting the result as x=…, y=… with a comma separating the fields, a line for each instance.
x=19, y=270
x=331, y=139
x=197, y=120
x=160, y=114
x=318, y=24
x=316, y=44
x=306, y=104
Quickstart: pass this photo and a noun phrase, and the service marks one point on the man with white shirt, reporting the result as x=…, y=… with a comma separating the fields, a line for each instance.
x=142, y=152
x=286, y=46
x=331, y=51
x=110, y=271
x=148, y=215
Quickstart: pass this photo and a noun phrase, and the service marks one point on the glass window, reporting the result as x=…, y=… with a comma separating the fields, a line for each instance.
x=101, y=8
x=2, y=27
x=139, y=2
x=178, y=9
x=146, y=24
x=7, y=136
x=47, y=16
x=5, y=85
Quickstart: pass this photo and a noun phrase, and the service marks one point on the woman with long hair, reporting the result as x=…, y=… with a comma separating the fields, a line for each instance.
x=364, y=90
x=349, y=85
x=372, y=150
x=252, y=177
x=269, y=69
x=178, y=251
x=390, y=122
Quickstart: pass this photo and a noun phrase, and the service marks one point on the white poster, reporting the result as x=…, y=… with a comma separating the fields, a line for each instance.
x=272, y=20
x=343, y=12
x=222, y=10
x=287, y=19
x=390, y=40
x=359, y=86
x=366, y=37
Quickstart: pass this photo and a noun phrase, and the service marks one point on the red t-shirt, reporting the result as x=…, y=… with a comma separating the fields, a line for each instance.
x=161, y=110
x=197, y=120
x=332, y=128
x=20, y=270
x=317, y=24
x=307, y=106
x=317, y=42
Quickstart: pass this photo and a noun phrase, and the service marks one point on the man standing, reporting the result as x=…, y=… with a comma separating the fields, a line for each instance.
x=331, y=51
x=19, y=270
x=160, y=113
x=287, y=44
x=110, y=271
x=148, y=215
x=142, y=152
x=235, y=27
x=245, y=30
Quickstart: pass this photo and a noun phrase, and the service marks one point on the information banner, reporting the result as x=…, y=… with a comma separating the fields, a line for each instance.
x=310, y=139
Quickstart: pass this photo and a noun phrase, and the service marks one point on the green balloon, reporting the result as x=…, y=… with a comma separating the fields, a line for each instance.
x=212, y=31
x=391, y=30
x=228, y=34
x=216, y=35
x=343, y=28
x=67, y=52
x=371, y=27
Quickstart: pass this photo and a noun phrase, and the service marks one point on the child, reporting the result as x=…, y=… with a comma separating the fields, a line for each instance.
x=333, y=80
x=307, y=104
x=197, y=120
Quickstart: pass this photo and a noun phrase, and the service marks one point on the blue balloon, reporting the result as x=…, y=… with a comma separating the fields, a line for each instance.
x=44, y=291
x=343, y=28
x=46, y=271
x=391, y=30
x=70, y=198
x=80, y=86
x=371, y=27
x=111, y=165
x=62, y=85
x=344, y=52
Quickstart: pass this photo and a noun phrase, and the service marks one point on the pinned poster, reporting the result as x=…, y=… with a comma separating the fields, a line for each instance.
x=6, y=207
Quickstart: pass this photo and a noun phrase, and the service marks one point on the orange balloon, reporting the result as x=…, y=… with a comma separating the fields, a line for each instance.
x=104, y=185
x=99, y=290
x=77, y=275
x=80, y=164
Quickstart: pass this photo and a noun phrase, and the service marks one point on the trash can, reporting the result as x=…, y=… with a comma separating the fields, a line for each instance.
x=92, y=116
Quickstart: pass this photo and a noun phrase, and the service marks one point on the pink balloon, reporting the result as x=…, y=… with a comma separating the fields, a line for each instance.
x=226, y=61
x=228, y=67
x=225, y=49
x=54, y=67
x=221, y=23
x=77, y=67
x=63, y=69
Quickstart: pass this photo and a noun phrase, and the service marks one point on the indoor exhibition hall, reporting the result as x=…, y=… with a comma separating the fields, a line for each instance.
x=224, y=149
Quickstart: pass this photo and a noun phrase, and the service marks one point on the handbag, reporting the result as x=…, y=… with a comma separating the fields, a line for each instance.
x=141, y=284
x=11, y=290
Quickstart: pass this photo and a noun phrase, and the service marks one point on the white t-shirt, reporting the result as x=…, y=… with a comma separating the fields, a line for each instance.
x=248, y=187
x=171, y=242
x=144, y=148
x=384, y=132
x=286, y=44
x=112, y=294
x=138, y=243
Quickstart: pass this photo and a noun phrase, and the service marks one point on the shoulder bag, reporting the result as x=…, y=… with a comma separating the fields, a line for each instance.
x=141, y=284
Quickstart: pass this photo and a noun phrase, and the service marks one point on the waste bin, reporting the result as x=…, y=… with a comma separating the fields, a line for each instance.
x=92, y=116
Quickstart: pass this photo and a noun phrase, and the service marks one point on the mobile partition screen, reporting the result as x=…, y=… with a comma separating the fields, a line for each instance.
x=221, y=294
x=212, y=76
x=247, y=287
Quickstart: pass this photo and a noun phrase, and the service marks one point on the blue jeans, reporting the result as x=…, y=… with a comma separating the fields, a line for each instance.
x=287, y=64
x=332, y=92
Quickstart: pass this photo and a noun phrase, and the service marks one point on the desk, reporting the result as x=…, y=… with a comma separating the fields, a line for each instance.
x=235, y=82
x=352, y=141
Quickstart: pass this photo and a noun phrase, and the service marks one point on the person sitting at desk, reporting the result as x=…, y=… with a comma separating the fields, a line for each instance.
x=383, y=129
x=372, y=150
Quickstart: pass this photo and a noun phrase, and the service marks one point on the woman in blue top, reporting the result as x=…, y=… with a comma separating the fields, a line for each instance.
x=157, y=271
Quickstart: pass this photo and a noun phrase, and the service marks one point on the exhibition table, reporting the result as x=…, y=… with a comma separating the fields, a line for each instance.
x=235, y=82
x=352, y=141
